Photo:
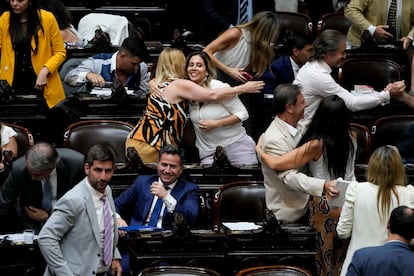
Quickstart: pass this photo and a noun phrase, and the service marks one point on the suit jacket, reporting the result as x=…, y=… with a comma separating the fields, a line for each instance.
x=69, y=240
x=135, y=203
x=363, y=13
x=393, y=258
x=20, y=188
x=51, y=53
x=287, y=192
x=219, y=15
x=281, y=71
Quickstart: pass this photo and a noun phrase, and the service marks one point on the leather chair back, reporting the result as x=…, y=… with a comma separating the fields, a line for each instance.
x=294, y=22
x=168, y=270
x=363, y=139
x=376, y=72
x=274, y=270
x=387, y=130
x=334, y=21
x=239, y=201
x=24, y=139
x=81, y=136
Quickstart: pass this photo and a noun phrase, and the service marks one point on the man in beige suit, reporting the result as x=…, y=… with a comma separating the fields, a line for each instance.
x=287, y=192
x=371, y=15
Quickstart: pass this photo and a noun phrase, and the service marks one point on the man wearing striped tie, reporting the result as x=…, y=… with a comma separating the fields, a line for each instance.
x=80, y=237
x=219, y=15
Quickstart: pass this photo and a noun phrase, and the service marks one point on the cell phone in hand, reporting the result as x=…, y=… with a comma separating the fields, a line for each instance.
x=246, y=75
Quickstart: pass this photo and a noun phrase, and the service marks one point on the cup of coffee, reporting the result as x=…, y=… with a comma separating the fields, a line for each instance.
x=28, y=235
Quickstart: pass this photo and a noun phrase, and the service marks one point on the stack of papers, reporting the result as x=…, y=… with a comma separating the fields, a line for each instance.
x=241, y=226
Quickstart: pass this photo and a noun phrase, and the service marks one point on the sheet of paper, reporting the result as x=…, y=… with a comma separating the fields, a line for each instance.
x=341, y=186
x=106, y=91
x=240, y=226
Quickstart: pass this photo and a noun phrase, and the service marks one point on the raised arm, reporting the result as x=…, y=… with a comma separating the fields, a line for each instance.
x=312, y=150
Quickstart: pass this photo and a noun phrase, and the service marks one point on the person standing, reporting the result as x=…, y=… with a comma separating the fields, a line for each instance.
x=368, y=205
x=80, y=237
x=392, y=258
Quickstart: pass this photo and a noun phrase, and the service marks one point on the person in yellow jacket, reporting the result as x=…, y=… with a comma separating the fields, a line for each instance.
x=32, y=49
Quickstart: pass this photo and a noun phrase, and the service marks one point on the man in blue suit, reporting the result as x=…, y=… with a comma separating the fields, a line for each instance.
x=178, y=195
x=392, y=258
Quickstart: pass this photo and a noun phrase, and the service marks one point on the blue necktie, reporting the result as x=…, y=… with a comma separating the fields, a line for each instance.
x=47, y=195
x=155, y=213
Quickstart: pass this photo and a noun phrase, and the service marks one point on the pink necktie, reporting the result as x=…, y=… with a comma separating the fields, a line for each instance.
x=108, y=243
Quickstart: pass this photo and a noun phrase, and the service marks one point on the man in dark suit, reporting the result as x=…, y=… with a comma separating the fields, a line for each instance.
x=137, y=204
x=392, y=258
x=25, y=185
x=220, y=15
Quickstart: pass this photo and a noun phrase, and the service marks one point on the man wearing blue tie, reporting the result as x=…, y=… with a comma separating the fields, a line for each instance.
x=153, y=199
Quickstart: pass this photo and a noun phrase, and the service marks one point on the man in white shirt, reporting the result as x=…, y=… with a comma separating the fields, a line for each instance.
x=316, y=81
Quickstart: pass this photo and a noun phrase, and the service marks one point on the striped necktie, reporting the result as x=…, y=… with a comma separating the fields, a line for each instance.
x=392, y=20
x=108, y=242
x=243, y=12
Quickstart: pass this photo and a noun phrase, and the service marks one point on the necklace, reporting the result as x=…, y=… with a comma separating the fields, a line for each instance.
x=23, y=22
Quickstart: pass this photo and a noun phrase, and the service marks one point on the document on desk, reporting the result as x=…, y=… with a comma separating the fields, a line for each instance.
x=241, y=226
x=139, y=228
x=341, y=186
x=106, y=91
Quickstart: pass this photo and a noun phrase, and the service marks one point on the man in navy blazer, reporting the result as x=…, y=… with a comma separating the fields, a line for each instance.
x=220, y=15
x=392, y=258
x=136, y=204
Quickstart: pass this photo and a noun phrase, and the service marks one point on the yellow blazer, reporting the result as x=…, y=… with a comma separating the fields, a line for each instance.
x=363, y=13
x=51, y=53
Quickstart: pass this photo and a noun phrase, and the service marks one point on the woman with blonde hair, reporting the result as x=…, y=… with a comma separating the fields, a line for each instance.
x=245, y=51
x=165, y=117
x=368, y=205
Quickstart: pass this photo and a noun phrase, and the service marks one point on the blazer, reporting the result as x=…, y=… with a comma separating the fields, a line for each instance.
x=281, y=71
x=69, y=240
x=364, y=13
x=220, y=15
x=286, y=192
x=392, y=258
x=51, y=53
x=20, y=187
x=134, y=204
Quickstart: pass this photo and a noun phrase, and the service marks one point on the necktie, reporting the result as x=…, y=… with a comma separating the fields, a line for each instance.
x=108, y=247
x=155, y=213
x=243, y=13
x=392, y=20
x=47, y=195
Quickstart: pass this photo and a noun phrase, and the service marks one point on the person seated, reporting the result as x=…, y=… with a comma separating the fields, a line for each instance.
x=167, y=190
x=9, y=146
x=392, y=258
x=218, y=123
x=64, y=20
x=126, y=66
x=38, y=179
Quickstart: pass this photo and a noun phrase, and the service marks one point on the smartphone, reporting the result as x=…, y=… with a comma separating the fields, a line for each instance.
x=247, y=75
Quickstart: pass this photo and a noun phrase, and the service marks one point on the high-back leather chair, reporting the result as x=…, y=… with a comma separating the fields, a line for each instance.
x=178, y=270
x=373, y=71
x=294, y=22
x=387, y=130
x=274, y=270
x=335, y=21
x=24, y=138
x=81, y=136
x=239, y=201
x=363, y=139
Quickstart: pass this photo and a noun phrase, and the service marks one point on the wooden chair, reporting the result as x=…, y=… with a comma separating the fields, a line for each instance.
x=178, y=270
x=24, y=138
x=373, y=71
x=387, y=130
x=363, y=139
x=81, y=136
x=335, y=21
x=239, y=201
x=282, y=270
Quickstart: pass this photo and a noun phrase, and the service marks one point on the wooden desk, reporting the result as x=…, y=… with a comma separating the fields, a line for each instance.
x=21, y=260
